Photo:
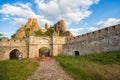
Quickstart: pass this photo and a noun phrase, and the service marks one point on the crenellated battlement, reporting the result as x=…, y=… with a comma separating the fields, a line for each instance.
x=12, y=40
x=96, y=35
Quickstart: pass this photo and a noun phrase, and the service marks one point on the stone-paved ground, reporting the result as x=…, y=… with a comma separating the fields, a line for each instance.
x=49, y=69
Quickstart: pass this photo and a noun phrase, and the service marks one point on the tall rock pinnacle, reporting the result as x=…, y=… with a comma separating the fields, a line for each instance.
x=60, y=29
x=27, y=29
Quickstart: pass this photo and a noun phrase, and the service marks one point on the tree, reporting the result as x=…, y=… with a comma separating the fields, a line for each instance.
x=50, y=31
x=39, y=33
x=13, y=36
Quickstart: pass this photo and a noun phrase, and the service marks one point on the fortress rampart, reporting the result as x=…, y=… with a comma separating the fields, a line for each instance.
x=30, y=47
x=106, y=39
x=7, y=45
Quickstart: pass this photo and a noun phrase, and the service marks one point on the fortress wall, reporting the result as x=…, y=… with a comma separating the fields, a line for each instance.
x=57, y=45
x=106, y=39
x=7, y=45
x=35, y=43
x=53, y=43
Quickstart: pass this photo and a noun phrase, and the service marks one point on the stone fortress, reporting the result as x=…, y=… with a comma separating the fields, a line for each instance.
x=62, y=41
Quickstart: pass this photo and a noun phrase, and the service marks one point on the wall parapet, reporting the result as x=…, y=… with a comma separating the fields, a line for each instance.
x=12, y=40
x=96, y=35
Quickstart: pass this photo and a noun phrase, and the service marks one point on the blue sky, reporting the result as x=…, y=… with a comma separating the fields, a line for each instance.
x=80, y=16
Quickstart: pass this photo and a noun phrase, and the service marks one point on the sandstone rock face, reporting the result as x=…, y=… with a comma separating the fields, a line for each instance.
x=60, y=29
x=32, y=25
x=46, y=26
x=27, y=29
x=68, y=33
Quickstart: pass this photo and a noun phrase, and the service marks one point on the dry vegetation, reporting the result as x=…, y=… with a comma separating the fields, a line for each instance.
x=100, y=66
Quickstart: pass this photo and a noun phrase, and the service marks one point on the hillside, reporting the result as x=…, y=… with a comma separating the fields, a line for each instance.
x=99, y=66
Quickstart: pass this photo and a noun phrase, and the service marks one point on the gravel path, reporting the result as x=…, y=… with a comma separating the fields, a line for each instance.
x=49, y=69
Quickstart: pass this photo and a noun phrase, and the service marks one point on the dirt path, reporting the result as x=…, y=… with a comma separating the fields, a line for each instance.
x=49, y=69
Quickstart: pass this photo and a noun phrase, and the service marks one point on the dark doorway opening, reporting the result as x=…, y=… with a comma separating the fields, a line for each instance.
x=44, y=51
x=14, y=54
x=77, y=53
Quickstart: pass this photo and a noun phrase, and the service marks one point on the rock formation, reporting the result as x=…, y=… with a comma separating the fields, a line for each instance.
x=60, y=29
x=27, y=29
x=46, y=26
x=68, y=33
x=31, y=27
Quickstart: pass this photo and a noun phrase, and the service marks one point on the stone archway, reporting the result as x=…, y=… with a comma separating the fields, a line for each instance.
x=44, y=51
x=14, y=54
x=76, y=53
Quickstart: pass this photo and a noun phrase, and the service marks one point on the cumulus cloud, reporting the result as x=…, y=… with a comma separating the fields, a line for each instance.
x=18, y=13
x=109, y=22
x=89, y=29
x=78, y=31
x=4, y=33
x=99, y=25
x=68, y=10
x=17, y=9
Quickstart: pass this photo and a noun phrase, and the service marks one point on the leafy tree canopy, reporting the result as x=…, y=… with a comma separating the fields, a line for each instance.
x=49, y=32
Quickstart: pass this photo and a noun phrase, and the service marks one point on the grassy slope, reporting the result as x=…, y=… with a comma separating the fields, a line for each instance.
x=17, y=70
x=100, y=66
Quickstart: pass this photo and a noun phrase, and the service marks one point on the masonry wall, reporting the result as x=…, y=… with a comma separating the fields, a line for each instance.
x=57, y=45
x=31, y=46
x=107, y=39
x=35, y=43
x=7, y=45
x=53, y=43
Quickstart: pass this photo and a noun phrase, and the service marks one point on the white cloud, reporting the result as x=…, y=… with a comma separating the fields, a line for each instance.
x=78, y=31
x=19, y=21
x=5, y=18
x=23, y=10
x=18, y=13
x=4, y=33
x=68, y=10
x=109, y=22
x=99, y=25
x=91, y=29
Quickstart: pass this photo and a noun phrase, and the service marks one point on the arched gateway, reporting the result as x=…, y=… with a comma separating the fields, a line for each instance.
x=44, y=51
x=76, y=53
x=14, y=54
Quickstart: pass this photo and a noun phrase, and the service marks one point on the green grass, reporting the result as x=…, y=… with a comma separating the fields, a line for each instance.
x=99, y=66
x=17, y=69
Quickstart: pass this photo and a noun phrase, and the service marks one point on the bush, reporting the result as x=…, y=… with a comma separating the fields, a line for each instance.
x=50, y=31
x=39, y=33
